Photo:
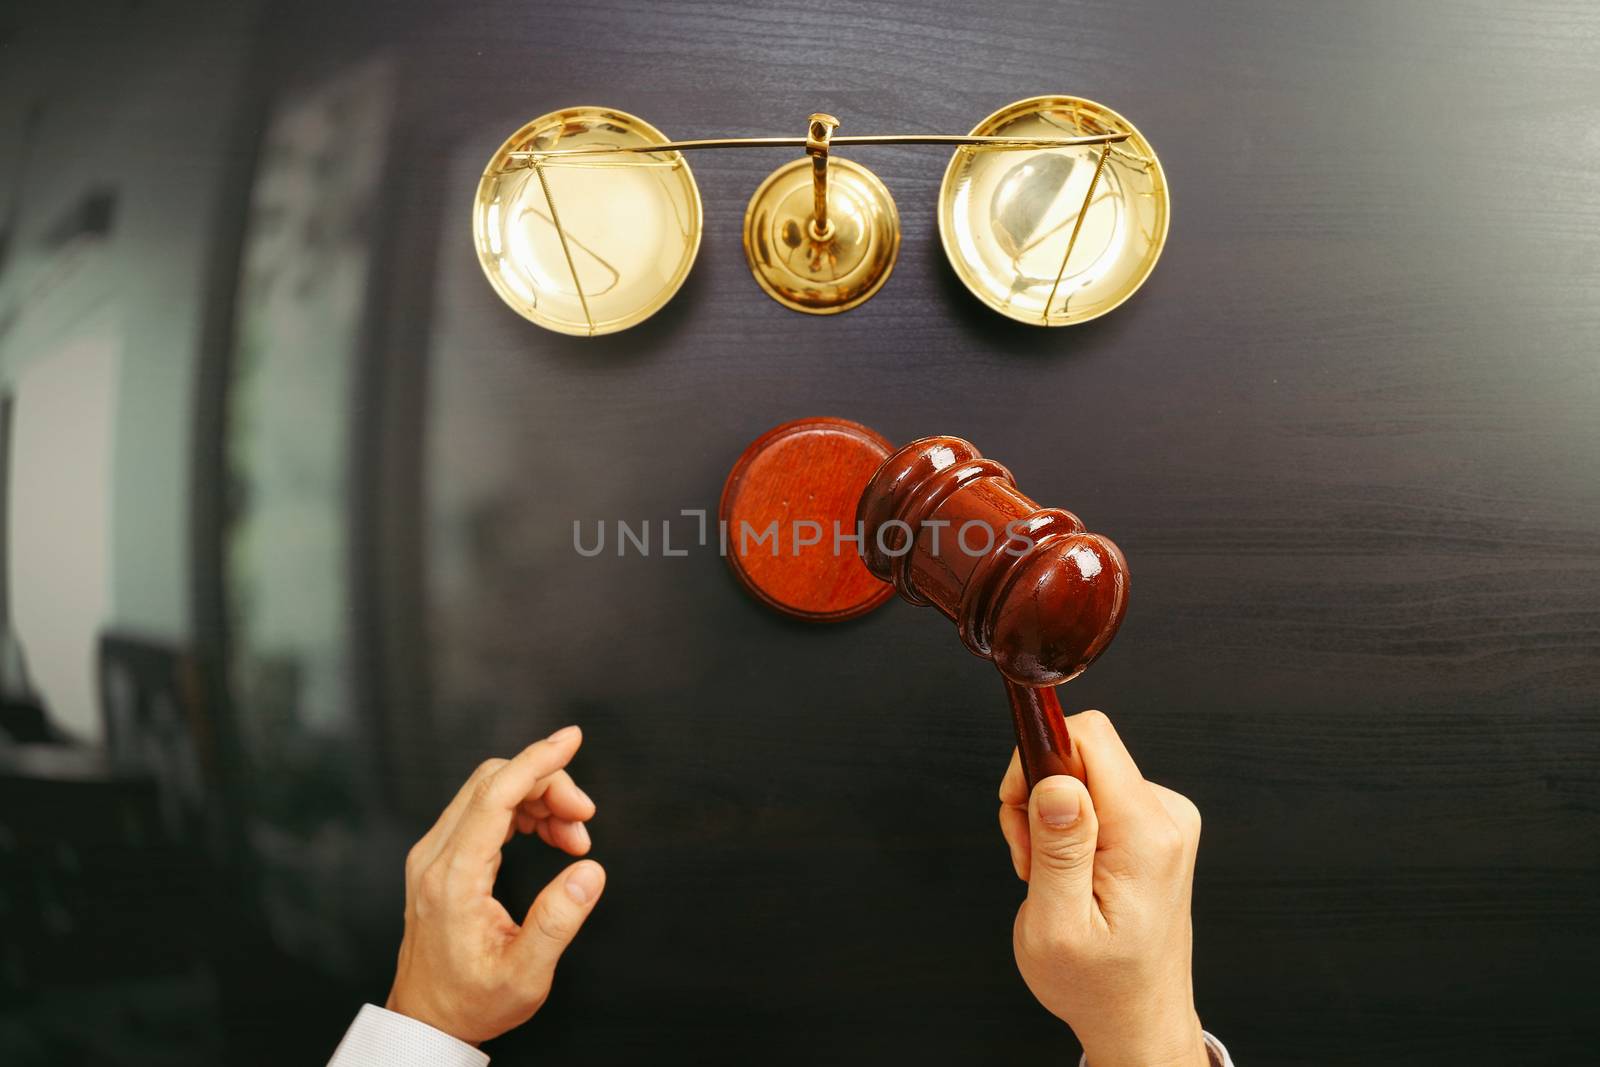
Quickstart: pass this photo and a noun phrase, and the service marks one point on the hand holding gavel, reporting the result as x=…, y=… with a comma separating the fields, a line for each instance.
x=1104, y=938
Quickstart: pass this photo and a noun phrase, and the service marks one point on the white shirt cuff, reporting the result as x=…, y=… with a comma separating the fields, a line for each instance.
x=1219, y=1055
x=381, y=1038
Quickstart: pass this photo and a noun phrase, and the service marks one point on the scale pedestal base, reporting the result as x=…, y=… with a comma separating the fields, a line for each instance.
x=821, y=273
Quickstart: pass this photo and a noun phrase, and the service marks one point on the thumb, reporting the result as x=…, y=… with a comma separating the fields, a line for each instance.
x=1063, y=830
x=557, y=914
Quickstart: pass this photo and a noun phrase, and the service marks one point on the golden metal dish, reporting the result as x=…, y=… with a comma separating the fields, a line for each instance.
x=592, y=246
x=1054, y=236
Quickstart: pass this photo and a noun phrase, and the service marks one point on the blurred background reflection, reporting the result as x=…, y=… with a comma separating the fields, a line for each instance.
x=193, y=255
x=219, y=227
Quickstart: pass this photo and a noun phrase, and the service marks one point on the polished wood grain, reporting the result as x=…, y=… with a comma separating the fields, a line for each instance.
x=1044, y=745
x=1027, y=587
x=788, y=514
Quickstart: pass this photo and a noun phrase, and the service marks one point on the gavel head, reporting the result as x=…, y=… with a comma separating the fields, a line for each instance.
x=1027, y=587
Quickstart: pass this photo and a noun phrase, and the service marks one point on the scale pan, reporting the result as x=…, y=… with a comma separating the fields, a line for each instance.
x=1007, y=218
x=597, y=245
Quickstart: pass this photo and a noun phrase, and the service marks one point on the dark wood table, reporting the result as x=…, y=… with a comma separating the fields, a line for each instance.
x=1347, y=436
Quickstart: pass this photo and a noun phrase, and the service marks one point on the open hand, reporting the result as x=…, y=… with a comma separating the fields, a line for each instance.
x=466, y=967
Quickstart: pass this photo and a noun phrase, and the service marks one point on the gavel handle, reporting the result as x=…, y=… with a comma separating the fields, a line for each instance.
x=1042, y=739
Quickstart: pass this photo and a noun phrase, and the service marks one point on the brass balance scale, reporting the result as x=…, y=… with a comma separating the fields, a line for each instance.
x=1053, y=211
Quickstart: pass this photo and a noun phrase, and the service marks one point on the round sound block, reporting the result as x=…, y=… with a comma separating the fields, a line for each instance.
x=788, y=507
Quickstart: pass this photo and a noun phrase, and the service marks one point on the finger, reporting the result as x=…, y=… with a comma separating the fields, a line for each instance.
x=532, y=815
x=570, y=837
x=1063, y=830
x=562, y=798
x=1123, y=802
x=481, y=828
x=556, y=916
x=1013, y=786
x=1014, y=828
x=522, y=822
x=434, y=840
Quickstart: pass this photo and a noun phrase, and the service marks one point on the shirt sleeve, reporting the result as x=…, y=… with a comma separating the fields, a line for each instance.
x=380, y=1038
x=1219, y=1055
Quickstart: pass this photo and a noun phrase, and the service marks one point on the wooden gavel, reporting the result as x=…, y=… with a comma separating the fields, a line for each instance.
x=1027, y=587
